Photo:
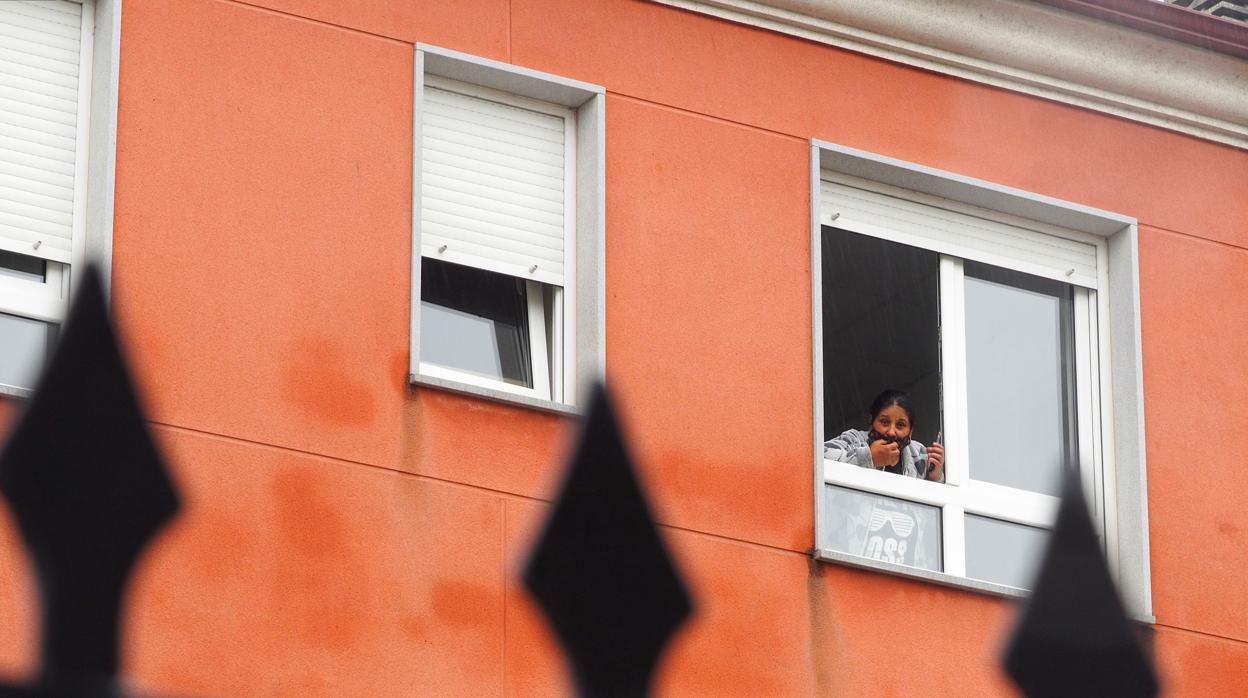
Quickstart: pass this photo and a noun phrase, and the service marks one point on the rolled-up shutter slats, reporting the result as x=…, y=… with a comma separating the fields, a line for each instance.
x=39, y=84
x=493, y=185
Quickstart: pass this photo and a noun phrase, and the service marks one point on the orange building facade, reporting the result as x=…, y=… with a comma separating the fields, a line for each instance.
x=346, y=531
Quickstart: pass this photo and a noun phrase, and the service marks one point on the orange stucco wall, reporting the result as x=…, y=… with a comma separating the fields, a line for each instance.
x=345, y=534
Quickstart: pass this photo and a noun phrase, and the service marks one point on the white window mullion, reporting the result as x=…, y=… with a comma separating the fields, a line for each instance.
x=537, y=340
x=564, y=340
x=888, y=484
x=953, y=370
x=1010, y=504
x=953, y=526
x=1104, y=425
x=1089, y=462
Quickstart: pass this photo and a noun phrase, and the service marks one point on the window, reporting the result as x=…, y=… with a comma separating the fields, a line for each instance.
x=507, y=231
x=45, y=70
x=990, y=308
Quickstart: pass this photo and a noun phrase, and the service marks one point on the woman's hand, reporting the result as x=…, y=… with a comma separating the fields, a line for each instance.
x=936, y=462
x=884, y=453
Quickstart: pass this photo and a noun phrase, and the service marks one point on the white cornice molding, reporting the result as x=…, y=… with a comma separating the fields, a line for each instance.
x=1027, y=48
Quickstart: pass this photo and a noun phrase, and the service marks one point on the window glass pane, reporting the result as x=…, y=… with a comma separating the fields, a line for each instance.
x=22, y=266
x=881, y=309
x=1002, y=552
x=23, y=345
x=883, y=528
x=475, y=321
x=1020, y=378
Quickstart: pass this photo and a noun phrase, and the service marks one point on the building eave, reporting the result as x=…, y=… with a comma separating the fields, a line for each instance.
x=1027, y=47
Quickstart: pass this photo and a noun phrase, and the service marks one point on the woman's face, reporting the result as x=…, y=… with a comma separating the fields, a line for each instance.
x=893, y=421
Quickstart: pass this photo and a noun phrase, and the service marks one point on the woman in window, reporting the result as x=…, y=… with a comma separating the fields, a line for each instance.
x=886, y=445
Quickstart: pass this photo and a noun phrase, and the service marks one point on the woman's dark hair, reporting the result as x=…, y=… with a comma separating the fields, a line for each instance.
x=893, y=397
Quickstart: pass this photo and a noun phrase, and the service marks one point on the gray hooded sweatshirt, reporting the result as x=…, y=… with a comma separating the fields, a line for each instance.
x=853, y=447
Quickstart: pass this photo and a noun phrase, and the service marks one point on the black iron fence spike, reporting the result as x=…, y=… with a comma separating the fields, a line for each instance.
x=600, y=570
x=88, y=491
x=1073, y=637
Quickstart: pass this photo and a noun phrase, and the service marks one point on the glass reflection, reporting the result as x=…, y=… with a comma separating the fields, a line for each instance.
x=24, y=344
x=1020, y=378
x=475, y=321
x=883, y=528
x=881, y=309
x=1003, y=552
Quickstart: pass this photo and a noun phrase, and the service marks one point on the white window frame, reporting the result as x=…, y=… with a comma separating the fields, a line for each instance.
x=1109, y=384
x=94, y=167
x=576, y=352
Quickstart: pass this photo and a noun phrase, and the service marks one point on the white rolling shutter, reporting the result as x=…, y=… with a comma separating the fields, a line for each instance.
x=40, y=44
x=493, y=185
x=924, y=221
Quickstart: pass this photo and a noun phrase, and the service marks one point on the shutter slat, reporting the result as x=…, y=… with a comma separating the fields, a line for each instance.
x=440, y=234
x=9, y=141
x=491, y=258
x=482, y=159
x=960, y=234
x=49, y=63
x=492, y=185
x=531, y=139
x=460, y=190
x=470, y=226
x=36, y=187
x=27, y=109
x=23, y=164
x=482, y=148
x=39, y=75
x=19, y=85
x=43, y=228
x=59, y=50
x=39, y=205
x=47, y=136
x=493, y=115
x=533, y=192
x=21, y=36
x=438, y=201
x=38, y=20
x=14, y=88
x=37, y=125
x=27, y=205
x=67, y=13
x=21, y=240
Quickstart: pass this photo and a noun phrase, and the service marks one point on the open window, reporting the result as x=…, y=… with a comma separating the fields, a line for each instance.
x=507, y=231
x=989, y=307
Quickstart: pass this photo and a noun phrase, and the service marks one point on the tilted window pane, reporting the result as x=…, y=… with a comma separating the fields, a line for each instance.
x=1002, y=552
x=1020, y=378
x=24, y=345
x=475, y=321
x=20, y=266
x=881, y=309
x=883, y=528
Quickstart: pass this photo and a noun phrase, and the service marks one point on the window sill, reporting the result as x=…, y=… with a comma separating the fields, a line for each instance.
x=500, y=396
x=15, y=392
x=948, y=580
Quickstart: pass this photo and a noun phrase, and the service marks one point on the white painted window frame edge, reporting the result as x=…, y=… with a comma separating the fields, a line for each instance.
x=584, y=354
x=1121, y=368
